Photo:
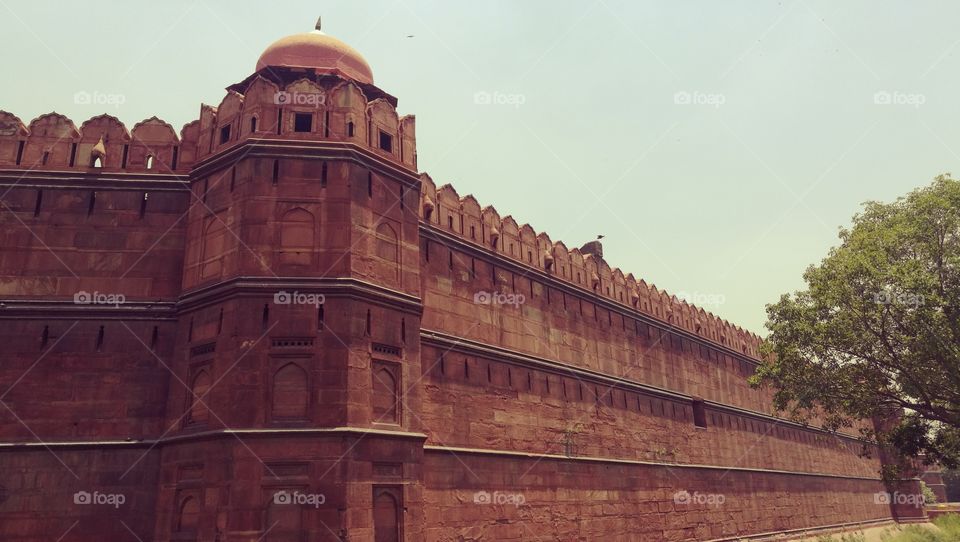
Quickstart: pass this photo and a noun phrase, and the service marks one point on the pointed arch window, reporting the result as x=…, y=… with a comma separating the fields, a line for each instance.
x=296, y=237
x=290, y=396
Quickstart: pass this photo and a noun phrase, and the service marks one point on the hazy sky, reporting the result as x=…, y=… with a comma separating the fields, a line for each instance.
x=717, y=145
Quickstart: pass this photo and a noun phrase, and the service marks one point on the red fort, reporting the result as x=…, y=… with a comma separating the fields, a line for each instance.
x=270, y=326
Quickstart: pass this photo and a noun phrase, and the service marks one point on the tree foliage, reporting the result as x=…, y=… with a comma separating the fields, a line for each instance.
x=877, y=330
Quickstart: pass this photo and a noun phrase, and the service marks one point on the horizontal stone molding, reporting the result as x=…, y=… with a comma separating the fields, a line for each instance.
x=45, y=309
x=557, y=457
x=299, y=149
x=431, y=232
x=332, y=286
x=453, y=343
x=72, y=180
x=214, y=434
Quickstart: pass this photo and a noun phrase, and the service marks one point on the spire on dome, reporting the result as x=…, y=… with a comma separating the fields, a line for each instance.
x=318, y=22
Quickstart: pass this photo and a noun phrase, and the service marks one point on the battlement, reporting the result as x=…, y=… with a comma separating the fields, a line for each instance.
x=102, y=143
x=463, y=217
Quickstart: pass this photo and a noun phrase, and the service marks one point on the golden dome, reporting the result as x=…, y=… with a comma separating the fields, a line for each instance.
x=318, y=51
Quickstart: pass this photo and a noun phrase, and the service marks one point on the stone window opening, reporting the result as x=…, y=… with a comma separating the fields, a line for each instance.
x=224, y=134
x=149, y=161
x=386, y=141
x=253, y=124
x=46, y=156
x=351, y=130
x=302, y=122
x=699, y=414
x=45, y=337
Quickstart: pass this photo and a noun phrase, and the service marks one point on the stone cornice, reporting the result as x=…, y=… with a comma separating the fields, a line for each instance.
x=358, y=432
x=430, y=231
x=72, y=180
x=316, y=150
x=46, y=309
x=334, y=287
x=453, y=343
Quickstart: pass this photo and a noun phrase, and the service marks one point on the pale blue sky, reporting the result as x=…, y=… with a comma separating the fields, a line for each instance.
x=728, y=200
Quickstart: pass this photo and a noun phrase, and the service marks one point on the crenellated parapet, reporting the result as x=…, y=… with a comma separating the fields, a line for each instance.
x=463, y=216
x=290, y=104
x=101, y=144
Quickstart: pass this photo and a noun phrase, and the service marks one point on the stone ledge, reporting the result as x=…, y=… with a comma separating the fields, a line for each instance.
x=554, y=457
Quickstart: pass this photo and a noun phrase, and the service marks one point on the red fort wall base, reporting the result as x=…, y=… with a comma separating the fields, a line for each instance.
x=271, y=327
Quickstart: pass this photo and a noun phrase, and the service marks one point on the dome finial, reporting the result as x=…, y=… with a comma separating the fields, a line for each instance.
x=318, y=22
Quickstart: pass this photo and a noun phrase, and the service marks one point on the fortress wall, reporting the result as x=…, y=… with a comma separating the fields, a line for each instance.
x=42, y=483
x=580, y=500
x=484, y=228
x=59, y=241
x=572, y=329
x=53, y=142
x=72, y=389
x=480, y=402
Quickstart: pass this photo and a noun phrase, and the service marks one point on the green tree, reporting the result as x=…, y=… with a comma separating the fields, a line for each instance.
x=877, y=330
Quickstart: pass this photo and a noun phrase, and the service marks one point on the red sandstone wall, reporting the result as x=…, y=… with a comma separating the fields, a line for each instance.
x=73, y=390
x=64, y=241
x=573, y=330
x=474, y=402
x=39, y=498
x=574, y=500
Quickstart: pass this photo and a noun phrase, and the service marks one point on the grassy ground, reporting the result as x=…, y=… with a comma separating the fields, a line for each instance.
x=944, y=529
